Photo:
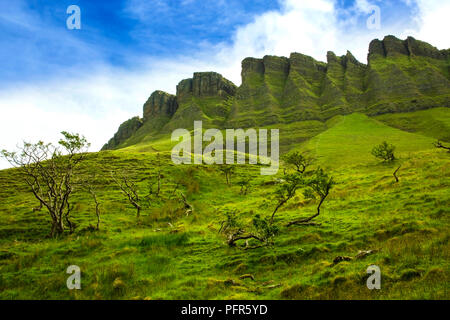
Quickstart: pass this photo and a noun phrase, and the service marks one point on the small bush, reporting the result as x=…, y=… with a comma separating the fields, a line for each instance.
x=384, y=151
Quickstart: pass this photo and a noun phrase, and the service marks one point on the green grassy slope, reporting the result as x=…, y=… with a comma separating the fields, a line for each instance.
x=406, y=222
x=433, y=123
x=351, y=138
x=400, y=83
x=292, y=135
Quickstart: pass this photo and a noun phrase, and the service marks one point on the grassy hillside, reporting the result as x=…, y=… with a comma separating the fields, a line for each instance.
x=351, y=138
x=309, y=136
x=433, y=123
x=168, y=255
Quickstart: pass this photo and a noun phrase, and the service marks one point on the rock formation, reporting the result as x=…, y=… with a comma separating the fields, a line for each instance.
x=400, y=76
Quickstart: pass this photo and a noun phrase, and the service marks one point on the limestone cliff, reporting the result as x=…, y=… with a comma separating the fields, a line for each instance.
x=400, y=76
x=160, y=103
x=125, y=131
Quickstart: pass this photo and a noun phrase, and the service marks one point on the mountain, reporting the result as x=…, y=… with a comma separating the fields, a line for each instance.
x=333, y=113
x=400, y=76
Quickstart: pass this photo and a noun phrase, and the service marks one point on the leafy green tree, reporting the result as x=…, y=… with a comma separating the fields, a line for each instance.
x=49, y=171
x=384, y=151
x=262, y=230
x=230, y=222
x=286, y=191
x=318, y=186
x=298, y=161
x=265, y=230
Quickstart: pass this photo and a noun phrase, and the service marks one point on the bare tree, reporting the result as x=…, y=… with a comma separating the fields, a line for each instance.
x=395, y=174
x=234, y=237
x=97, y=203
x=188, y=208
x=320, y=185
x=158, y=178
x=48, y=170
x=439, y=145
x=228, y=170
x=129, y=189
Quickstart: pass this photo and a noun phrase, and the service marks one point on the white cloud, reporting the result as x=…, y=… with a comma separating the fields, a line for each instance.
x=95, y=102
x=364, y=6
x=302, y=26
x=433, y=22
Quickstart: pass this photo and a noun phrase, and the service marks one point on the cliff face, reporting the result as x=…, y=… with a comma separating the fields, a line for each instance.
x=203, y=97
x=401, y=75
x=205, y=84
x=160, y=103
x=390, y=46
x=405, y=76
x=126, y=131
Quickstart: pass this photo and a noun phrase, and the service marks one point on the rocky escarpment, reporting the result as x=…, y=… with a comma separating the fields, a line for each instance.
x=405, y=75
x=126, y=131
x=297, y=88
x=157, y=111
x=205, y=84
x=391, y=46
x=400, y=76
x=202, y=97
x=160, y=103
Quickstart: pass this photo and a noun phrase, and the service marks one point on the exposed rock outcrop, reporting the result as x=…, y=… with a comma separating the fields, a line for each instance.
x=391, y=46
x=126, y=130
x=206, y=84
x=400, y=76
x=160, y=103
x=251, y=67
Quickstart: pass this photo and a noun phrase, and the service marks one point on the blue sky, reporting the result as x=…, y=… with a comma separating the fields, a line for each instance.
x=121, y=32
x=91, y=80
x=114, y=32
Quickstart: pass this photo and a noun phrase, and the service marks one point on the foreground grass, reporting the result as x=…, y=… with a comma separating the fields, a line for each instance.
x=168, y=255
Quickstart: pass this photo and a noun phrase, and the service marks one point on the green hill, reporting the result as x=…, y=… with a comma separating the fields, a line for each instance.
x=351, y=138
x=433, y=123
x=333, y=112
x=168, y=255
